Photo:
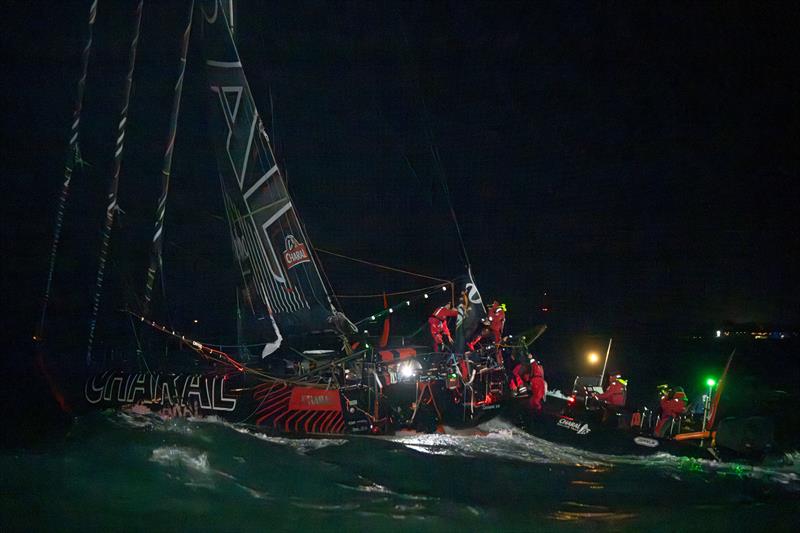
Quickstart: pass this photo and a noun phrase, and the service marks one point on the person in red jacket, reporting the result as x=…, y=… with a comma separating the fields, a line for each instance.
x=497, y=320
x=613, y=398
x=520, y=379
x=437, y=323
x=529, y=378
x=616, y=392
x=538, y=385
x=673, y=405
x=494, y=324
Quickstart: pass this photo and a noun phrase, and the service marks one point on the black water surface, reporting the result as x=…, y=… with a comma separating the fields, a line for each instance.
x=123, y=472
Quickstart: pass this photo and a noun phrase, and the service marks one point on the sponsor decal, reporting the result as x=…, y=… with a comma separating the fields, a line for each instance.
x=311, y=399
x=164, y=390
x=577, y=427
x=295, y=253
x=646, y=441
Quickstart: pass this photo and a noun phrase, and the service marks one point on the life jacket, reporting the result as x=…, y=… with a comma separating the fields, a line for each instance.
x=614, y=394
x=538, y=386
x=675, y=406
x=519, y=377
x=497, y=318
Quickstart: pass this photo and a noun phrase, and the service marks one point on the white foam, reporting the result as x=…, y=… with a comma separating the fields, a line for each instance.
x=178, y=456
x=301, y=446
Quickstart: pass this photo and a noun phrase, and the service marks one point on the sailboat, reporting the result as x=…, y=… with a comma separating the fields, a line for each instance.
x=272, y=380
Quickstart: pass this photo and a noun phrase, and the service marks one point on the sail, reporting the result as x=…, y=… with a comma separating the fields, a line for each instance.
x=282, y=282
x=471, y=312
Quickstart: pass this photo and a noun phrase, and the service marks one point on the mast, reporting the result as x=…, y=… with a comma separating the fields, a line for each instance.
x=158, y=234
x=712, y=412
x=73, y=157
x=112, y=207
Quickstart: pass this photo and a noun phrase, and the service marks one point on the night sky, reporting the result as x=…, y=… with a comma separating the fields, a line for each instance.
x=638, y=162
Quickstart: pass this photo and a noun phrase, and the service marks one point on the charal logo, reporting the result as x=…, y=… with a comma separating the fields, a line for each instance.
x=295, y=253
x=577, y=427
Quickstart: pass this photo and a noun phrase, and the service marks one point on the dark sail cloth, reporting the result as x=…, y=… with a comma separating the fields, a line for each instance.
x=471, y=313
x=284, y=291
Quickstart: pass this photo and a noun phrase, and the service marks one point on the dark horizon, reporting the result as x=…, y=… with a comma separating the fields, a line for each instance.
x=637, y=164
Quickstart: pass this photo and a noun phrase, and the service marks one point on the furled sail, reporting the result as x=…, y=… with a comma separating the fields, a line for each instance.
x=281, y=279
x=471, y=312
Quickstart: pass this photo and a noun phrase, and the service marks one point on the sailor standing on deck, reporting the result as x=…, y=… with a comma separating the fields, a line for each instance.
x=494, y=324
x=438, y=325
x=538, y=385
x=497, y=320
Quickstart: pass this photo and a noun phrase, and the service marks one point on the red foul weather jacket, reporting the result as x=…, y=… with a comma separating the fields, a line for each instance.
x=438, y=323
x=614, y=394
x=497, y=320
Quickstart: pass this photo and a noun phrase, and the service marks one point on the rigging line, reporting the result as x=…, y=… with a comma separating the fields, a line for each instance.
x=383, y=312
x=158, y=234
x=446, y=188
x=397, y=293
x=73, y=156
x=325, y=275
x=112, y=206
x=139, y=351
x=377, y=265
x=321, y=268
x=434, y=151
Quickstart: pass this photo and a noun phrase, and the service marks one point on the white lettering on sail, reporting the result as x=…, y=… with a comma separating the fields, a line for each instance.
x=237, y=146
x=473, y=294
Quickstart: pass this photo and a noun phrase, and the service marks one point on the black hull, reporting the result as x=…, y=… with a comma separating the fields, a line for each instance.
x=283, y=406
x=610, y=437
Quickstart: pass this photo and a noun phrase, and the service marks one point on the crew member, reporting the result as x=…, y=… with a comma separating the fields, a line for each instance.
x=673, y=405
x=438, y=325
x=494, y=324
x=497, y=320
x=520, y=378
x=616, y=392
x=538, y=385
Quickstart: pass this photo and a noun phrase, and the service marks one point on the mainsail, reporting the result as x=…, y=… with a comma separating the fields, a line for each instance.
x=281, y=279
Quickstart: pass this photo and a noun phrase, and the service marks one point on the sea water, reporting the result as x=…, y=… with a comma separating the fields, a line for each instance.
x=128, y=472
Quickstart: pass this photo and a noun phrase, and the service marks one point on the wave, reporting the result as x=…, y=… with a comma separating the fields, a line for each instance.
x=495, y=439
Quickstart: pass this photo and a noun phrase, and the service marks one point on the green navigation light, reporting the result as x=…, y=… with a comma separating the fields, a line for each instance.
x=711, y=382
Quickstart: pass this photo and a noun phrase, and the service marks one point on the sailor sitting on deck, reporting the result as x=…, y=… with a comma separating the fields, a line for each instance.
x=615, y=393
x=613, y=398
x=673, y=405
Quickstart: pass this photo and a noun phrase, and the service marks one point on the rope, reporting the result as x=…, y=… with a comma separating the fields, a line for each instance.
x=397, y=293
x=73, y=156
x=385, y=267
x=434, y=151
x=158, y=234
x=112, y=206
x=139, y=345
x=382, y=312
